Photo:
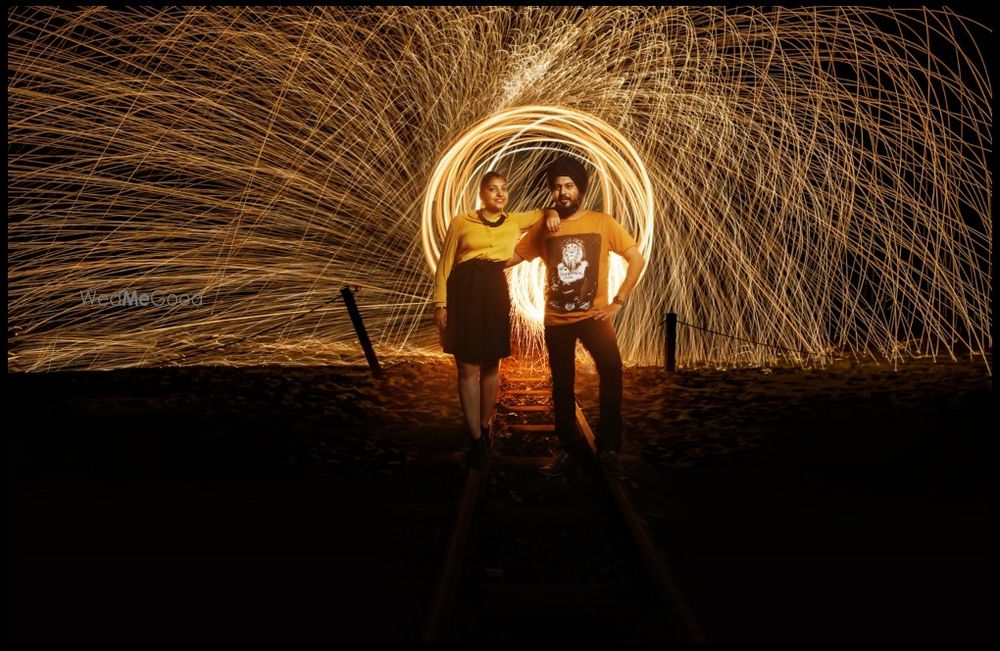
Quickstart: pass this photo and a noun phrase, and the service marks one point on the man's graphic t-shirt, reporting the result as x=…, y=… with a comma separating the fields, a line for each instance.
x=576, y=263
x=572, y=280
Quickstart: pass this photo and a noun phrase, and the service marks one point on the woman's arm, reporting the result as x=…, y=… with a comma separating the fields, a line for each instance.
x=526, y=220
x=445, y=263
x=552, y=219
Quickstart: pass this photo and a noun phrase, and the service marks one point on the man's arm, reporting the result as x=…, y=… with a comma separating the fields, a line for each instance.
x=635, y=264
x=528, y=248
x=514, y=261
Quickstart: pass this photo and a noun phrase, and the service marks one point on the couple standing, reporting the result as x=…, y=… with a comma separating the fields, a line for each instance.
x=472, y=304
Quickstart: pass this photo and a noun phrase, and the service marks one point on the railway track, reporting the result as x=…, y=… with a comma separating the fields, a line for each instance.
x=563, y=559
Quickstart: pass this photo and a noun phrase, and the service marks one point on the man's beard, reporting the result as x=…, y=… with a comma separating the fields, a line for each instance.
x=567, y=210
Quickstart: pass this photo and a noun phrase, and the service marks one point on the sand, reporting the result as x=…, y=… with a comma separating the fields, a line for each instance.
x=847, y=504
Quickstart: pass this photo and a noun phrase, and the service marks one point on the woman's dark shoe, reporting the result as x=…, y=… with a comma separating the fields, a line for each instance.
x=558, y=466
x=478, y=453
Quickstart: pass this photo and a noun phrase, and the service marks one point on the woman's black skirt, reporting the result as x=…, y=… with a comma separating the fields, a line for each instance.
x=478, y=312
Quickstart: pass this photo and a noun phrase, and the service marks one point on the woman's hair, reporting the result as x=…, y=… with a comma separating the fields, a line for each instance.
x=489, y=176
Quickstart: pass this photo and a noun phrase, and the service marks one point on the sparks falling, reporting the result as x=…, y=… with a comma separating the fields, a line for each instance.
x=816, y=178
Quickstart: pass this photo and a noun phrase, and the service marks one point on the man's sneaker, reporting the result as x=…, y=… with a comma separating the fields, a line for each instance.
x=611, y=463
x=557, y=467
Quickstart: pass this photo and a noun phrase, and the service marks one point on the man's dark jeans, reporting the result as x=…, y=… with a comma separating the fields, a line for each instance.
x=600, y=340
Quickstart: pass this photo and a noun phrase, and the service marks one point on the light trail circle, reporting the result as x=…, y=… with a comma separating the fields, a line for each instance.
x=619, y=177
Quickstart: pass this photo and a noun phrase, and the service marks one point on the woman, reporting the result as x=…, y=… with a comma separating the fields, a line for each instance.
x=472, y=301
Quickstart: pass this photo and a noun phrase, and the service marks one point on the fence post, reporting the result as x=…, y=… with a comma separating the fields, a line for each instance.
x=670, y=342
x=359, y=327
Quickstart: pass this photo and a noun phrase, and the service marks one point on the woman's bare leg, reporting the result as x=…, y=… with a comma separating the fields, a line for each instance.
x=489, y=381
x=468, y=393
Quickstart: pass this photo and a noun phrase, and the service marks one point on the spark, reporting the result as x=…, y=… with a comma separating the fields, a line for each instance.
x=815, y=178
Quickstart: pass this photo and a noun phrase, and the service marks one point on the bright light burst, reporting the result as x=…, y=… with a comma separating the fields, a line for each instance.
x=815, y=178
x=620, y=185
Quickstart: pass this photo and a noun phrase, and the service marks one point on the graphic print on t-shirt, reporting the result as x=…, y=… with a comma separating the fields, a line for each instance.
x=573, y=265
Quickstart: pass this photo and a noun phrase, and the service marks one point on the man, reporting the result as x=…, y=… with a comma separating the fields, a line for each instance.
x=577, y=307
